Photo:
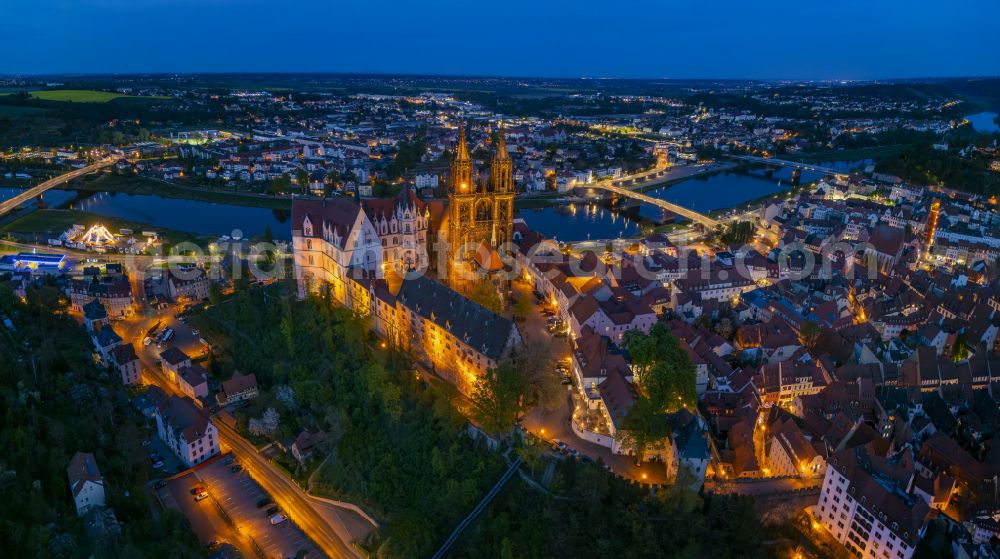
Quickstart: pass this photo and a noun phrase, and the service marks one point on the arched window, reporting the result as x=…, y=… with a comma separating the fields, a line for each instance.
x=483, y=211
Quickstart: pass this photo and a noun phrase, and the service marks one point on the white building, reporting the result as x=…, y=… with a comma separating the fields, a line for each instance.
x=85, y=482
x=426, y=181
x=187, y=430
x=127, y=362
x=866, y=504
x=331, y=239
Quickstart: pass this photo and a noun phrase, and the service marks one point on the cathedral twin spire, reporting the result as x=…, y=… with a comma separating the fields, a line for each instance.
x=501, y=169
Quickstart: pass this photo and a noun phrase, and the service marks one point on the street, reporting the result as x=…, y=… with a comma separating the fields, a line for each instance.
x=286, y=493
x=555, y=424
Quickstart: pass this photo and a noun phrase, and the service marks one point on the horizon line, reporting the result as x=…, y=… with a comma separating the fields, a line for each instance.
x=485, y=76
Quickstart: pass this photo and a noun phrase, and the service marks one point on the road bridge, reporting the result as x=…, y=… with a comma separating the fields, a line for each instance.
x=694, y=216
x=790, y=164
x=35, y=191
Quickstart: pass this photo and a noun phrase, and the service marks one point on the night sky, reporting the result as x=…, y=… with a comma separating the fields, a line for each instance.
x=802, y=39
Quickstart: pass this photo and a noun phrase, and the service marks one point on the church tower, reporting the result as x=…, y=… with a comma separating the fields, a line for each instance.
x=480, y=217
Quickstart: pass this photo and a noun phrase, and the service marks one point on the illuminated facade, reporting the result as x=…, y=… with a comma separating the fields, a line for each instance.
x=456, y=337
x=480, y=215
x=402, y=224
x=931, y=227
x=335, y=245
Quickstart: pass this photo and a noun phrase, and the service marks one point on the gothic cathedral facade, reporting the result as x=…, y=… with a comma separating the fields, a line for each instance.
x=480, y=217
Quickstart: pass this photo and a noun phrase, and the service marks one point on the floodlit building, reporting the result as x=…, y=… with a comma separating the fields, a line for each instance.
x=186, y=429
x=866, y=504
x=459, y=338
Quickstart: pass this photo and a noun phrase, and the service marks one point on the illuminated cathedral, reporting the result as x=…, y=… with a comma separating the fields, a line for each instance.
x=480, y=217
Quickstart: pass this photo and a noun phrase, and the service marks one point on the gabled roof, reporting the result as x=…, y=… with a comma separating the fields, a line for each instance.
x=107, y=337
x=83, y=468
x=123, y=354
x=182, y=416
x=174, y=356
x=337, y=214
x=95, y=310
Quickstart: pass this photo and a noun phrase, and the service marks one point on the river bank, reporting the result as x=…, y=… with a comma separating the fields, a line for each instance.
x=110, y=182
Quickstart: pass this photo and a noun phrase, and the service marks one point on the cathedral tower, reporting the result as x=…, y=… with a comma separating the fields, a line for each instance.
x=480, y=217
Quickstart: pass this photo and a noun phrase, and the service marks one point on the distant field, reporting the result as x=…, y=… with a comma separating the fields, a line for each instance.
x=83, y=96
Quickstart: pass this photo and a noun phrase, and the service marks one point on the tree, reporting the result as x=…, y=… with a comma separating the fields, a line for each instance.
x=663, y=369
x=809, y=334
x=484, y=293
x=522, y=308
x=214, y=293
x=534, y=362
x=302, y=177
x=642, y=427
x=497, y=399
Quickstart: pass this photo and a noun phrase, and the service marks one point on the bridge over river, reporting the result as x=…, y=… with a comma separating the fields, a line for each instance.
x=36, y=191
x=797, y=165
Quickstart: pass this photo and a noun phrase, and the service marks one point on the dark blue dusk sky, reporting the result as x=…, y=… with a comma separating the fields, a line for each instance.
x=815, y=39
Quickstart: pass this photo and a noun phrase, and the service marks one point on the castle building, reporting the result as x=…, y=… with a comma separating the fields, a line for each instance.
x=347, y=249
x=402, y=224
x=334, y=238
x=480, y=216
x=333, y=243
x=455, y=336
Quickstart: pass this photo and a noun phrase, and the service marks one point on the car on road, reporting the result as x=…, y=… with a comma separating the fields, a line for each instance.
x=147, y=340
x=278, y=519
x=146, y=442
x=195, y=332
x=197, y=489
x=200, y=496
x=264, y=502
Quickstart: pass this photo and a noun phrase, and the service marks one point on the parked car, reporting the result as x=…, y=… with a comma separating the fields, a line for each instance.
x=230, y=459
x=264, y=502
x=236, y=468
x=158, y=464
x=278, y=519
x=271, y=511
x=200, y=496
x=160, y=484
x=146, y=442
x=197, y=489
x=146, y=341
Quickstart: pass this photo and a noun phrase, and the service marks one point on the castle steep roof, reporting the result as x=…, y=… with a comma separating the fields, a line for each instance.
x=470, y=323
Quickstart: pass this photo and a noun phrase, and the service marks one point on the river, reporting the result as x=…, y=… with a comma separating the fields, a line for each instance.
x=984, y=122
x=571, y=222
